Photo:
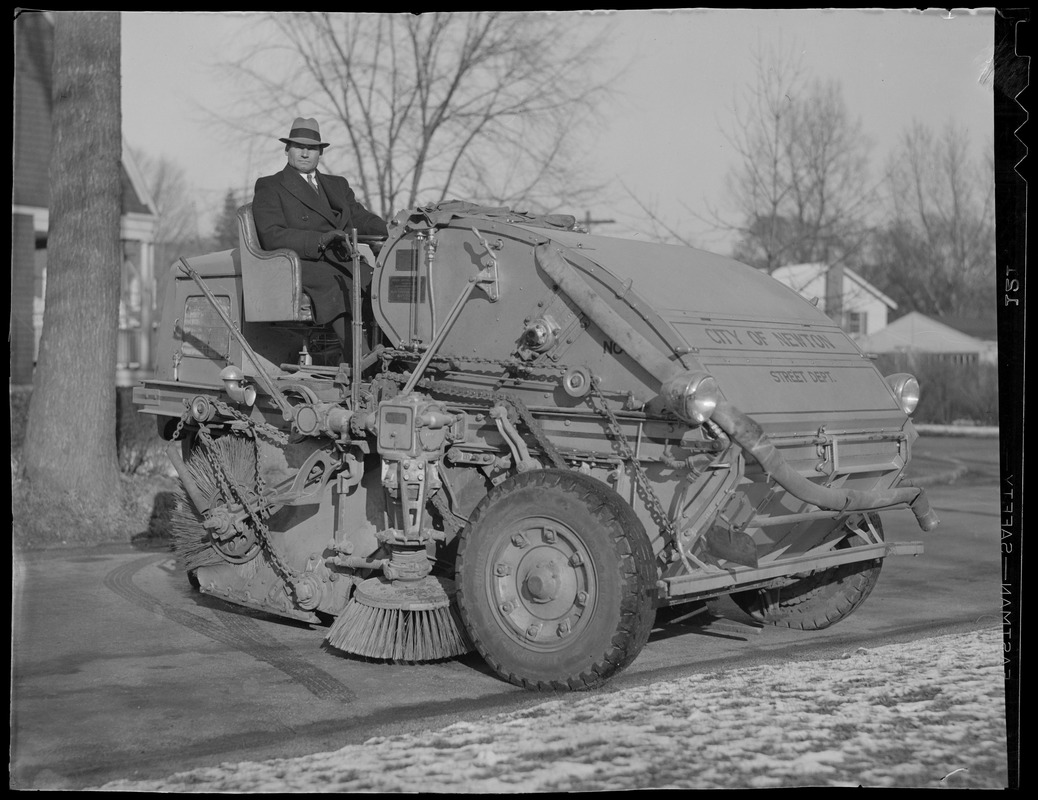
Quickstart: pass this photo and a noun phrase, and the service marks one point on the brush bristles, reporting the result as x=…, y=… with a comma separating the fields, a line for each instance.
x=190, y=539
x=395, y=634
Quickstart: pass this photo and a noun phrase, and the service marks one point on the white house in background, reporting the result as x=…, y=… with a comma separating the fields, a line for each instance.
x=30, y=218
x=842, y=293
x=917, y=333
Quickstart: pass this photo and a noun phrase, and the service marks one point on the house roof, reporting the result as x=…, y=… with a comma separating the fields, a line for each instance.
x=915, y=331
x=136, y=196
x=984, y=327
x=799, y=276
x=34, y=47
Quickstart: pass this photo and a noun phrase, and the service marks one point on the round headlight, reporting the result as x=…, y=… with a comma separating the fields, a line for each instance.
x=906, y=389
x=693, y=396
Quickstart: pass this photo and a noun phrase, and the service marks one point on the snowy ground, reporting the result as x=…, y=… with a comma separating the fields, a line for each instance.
x=928, y=713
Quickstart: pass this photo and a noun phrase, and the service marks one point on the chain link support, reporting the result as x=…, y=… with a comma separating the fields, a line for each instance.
x=489, y=396
x=254, y=502
x=656, y=511
x=598, y=404
x=596, y=400
x=264, y=429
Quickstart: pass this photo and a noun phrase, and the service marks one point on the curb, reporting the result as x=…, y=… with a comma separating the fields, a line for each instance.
x=958, y=430
x=937, y=479
x=950, y=475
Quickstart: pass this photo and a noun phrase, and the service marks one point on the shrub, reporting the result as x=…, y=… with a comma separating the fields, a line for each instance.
x=949, y=392
x=139, y=447
x=141, y=450
x=145, y=490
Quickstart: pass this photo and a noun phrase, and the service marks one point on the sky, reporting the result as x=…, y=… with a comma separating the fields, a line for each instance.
x=662, y=138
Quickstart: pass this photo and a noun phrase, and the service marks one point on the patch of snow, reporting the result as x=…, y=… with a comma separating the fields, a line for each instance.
x=928, y=713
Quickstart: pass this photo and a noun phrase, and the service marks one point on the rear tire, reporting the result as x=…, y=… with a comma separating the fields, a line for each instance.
x=556, y=581
x=819, y=599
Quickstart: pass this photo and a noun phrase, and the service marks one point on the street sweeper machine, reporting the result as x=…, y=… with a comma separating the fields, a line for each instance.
x=522, y=439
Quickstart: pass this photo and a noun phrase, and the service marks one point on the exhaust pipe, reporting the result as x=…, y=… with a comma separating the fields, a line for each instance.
x=751, y=437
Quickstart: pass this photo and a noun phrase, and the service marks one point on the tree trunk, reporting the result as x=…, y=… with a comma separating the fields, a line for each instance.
x=70, y=437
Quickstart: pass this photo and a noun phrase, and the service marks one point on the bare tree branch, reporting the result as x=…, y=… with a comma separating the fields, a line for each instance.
x=800, y=191
x=168, y=186
x=936, y=250
x=484, y=104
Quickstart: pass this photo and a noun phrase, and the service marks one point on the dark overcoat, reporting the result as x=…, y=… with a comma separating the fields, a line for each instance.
x=289, y=213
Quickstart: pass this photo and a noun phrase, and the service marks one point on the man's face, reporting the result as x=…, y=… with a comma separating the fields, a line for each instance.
x=303, y=157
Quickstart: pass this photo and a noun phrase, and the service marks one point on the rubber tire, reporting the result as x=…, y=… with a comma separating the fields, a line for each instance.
x=818, y=600
x=623, y=569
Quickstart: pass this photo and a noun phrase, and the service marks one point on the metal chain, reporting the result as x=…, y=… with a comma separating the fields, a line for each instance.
x=232, y=489
x=652, y=501
x=264, y=429
x=261, y=482
x=235, y=491
x=507, y=363
x=545, y=444
x=180, y=425
x=655, y=506
x=450, y=519
x=543, y=441
x=439, y=501
x=492, y=396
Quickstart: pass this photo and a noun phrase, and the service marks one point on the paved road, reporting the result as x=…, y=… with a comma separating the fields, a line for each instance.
x=121, y=671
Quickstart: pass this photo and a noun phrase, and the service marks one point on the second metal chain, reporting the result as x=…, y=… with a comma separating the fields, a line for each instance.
x=652, y=501
x=234, y=491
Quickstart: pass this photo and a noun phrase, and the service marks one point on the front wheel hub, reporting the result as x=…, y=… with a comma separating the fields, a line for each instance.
x=543, y=584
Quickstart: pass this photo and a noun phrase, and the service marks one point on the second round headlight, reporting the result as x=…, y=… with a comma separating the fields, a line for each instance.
x=692, y=396
x=906, y=390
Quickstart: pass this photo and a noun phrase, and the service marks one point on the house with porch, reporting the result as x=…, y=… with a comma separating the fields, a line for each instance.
x=34, y=47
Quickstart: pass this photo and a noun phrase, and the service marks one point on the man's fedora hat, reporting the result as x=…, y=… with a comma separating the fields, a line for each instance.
x=305, y=131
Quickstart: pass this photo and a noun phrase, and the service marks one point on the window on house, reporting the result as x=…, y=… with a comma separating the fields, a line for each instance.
x=855, y=322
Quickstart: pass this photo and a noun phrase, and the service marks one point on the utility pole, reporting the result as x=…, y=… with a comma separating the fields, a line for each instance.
x=588, y=222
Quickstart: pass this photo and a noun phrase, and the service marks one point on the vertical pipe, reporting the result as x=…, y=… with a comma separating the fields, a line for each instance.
x=358, y=323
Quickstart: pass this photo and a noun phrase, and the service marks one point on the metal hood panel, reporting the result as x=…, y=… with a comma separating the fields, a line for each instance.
x=674, y=278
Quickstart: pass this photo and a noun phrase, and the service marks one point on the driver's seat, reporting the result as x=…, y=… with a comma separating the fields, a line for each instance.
x=272, y=285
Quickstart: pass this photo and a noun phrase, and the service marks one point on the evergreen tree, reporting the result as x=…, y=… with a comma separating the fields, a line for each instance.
x=225, y=234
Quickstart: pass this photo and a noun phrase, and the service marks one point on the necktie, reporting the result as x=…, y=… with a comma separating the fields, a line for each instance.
x=312, y=179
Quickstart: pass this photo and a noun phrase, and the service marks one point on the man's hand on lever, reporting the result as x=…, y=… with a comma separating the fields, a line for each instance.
x=337, y=241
